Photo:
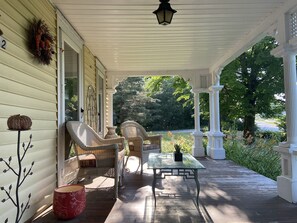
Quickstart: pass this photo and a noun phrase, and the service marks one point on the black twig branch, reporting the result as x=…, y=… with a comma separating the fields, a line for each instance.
x=8, y=195
x=23, y=209
x=22, y=173
x=8, y=165
x=26, y=148
x=27, y=173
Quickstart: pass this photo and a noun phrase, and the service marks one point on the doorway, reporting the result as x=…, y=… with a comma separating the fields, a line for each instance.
x=70, y=100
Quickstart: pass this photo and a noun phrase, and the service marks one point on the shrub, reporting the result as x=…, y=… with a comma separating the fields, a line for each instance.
x=259, y=156
x=279, y=136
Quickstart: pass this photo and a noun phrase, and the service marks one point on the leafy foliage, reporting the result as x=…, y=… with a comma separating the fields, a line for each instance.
x=259, y=156
x=158, y=109
x=182, y=93
x=131, y=102
x=250, y=84
x=170, y=111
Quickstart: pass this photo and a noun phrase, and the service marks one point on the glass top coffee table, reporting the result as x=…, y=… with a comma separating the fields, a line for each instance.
x=164, y=162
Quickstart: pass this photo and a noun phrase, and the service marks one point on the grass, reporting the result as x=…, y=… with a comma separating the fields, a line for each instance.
x=185, y=139
x=259, y=156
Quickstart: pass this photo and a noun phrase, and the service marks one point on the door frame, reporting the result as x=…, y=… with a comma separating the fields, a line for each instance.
x=100, y=73
x=66, y=33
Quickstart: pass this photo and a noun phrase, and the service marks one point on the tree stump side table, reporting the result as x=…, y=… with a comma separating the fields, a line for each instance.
x=69, y=201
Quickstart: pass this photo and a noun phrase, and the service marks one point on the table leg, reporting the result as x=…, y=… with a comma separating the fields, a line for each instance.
x=154, y=185
x=197, y=184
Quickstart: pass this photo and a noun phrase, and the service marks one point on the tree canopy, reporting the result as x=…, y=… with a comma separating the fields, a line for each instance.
x=251, y=82
x=157, y=109
x=251, y=85
x=171, y=112
x=131, y=102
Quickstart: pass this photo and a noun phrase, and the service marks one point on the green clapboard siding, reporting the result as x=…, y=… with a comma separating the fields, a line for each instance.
x=28, y=88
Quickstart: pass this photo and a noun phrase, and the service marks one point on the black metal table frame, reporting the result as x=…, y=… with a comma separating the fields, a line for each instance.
x=186, y=173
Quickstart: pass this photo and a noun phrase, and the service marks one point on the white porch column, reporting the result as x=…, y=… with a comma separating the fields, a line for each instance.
x=215, y=136
x=198, y=149
x=289, y=59
x=287, y=49
x=287, y=182
x=211, y=123
x=109, y=106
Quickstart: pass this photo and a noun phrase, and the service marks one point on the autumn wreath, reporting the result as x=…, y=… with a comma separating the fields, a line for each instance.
x=41, y=41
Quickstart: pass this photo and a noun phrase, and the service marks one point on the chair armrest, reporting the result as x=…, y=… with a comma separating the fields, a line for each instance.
x=119, y=140
x=155, y=137
x=102, y=147
x=109, y=141
x=135, y=139
x=113, y=140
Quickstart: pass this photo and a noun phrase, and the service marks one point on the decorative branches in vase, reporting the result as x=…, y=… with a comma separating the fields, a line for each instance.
x=18, y=123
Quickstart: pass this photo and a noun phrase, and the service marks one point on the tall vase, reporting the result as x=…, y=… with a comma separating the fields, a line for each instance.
x=111, y=132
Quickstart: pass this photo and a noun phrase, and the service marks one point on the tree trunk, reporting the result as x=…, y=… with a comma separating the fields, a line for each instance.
x=249, y=128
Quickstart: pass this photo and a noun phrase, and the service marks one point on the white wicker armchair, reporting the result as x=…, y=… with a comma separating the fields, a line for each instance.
x=109, y=153
x=139, y=142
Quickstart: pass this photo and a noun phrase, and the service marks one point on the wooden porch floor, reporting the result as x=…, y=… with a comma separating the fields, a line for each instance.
x=229, y=193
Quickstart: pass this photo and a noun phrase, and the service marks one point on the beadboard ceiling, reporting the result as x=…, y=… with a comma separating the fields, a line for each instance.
x=204, y=34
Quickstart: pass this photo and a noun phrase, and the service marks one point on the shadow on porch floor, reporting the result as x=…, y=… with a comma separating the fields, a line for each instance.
x=175, y=201
x=230, y=193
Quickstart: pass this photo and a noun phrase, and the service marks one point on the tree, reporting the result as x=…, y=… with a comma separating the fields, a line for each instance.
x=131, y=102
x=251, y=83
x=158, y=110
x=170, y=111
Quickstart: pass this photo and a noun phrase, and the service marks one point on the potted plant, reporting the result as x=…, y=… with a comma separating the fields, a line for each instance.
x=178, y=155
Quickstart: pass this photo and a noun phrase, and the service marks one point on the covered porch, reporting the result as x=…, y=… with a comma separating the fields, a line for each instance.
x=229, y=193
x=97, y=44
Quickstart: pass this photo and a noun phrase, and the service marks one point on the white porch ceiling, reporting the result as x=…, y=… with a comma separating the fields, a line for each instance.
x=204, y=34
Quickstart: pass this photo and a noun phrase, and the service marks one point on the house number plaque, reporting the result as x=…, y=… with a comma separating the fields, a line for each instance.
x=2, y=42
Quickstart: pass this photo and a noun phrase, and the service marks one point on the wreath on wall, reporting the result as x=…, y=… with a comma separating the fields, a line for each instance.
x=41, y=42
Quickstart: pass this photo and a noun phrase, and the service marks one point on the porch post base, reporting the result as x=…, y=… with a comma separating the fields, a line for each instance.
x=217, y=154
x=216, y=150
x=198, y=149
x=287, y=182
x=287, y=188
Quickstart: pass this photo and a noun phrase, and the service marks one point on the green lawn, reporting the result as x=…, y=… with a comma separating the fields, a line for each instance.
x=185, y=139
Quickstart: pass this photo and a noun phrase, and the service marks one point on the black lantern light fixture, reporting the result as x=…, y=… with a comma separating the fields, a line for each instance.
x=164, y=13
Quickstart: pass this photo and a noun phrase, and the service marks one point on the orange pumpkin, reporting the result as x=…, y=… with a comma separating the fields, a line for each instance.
x=19, y=122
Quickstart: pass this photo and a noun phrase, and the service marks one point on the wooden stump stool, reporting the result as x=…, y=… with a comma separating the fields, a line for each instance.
x=69, y=201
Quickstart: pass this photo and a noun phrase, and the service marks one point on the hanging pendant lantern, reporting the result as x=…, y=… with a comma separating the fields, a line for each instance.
x=164, y=13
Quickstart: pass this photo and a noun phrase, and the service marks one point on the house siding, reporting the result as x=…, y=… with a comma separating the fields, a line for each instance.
x=27, y=88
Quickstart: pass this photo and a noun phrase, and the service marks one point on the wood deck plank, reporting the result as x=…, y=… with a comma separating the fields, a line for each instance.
x=236, y=194
x=230, y=193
